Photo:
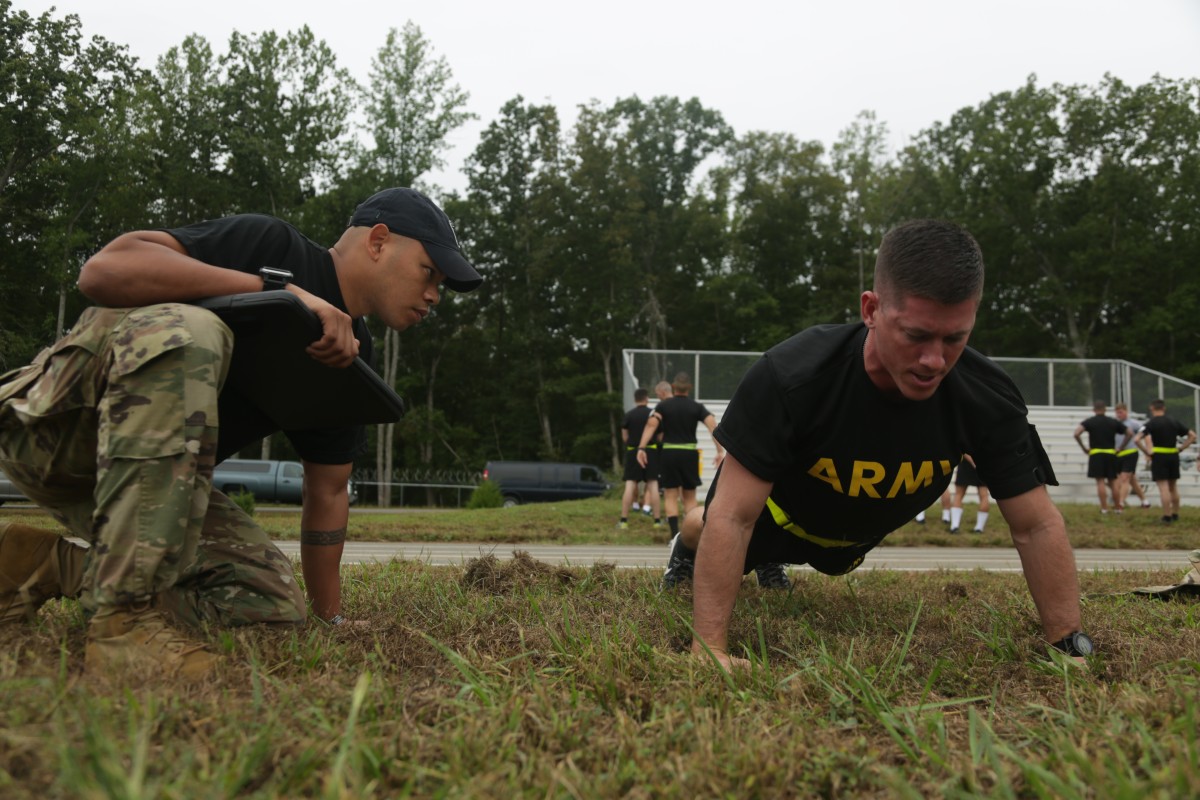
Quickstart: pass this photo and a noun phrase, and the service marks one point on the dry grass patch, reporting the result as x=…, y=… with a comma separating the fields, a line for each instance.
x=510, y=678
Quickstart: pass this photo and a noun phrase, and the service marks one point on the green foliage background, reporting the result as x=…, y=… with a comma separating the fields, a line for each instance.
x=650, y=223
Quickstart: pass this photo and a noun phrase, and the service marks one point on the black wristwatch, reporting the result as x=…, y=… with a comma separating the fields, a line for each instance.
x=1075, y=644
x=274, y=278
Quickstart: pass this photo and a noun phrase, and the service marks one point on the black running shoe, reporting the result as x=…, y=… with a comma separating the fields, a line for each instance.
x=680, y=565
x=772, y=576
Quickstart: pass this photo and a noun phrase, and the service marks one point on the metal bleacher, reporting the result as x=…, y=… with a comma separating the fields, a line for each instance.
x=1056, y=428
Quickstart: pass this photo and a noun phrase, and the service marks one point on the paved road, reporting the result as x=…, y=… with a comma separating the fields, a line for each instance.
x=909, y=559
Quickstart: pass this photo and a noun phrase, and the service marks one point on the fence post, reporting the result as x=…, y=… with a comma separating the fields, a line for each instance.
x=1050, y=379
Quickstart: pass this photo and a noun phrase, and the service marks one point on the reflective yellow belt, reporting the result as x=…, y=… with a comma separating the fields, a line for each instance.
x=691, y=446
x=1096, y=450
x=1128, y=452
x=648, y=447
x=1165, y=449
x=784, y=521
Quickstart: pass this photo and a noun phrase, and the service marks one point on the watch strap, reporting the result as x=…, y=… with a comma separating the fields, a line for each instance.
x=274, y=278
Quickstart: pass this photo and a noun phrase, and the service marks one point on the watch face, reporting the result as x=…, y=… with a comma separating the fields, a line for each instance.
x=1082, y=644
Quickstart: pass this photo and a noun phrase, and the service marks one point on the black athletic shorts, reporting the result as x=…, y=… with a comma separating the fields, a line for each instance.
x=1128, y=462
x=1164, y=466
x=635, y=471
x=679, y=468
x=966, y=475
x=1102, y=465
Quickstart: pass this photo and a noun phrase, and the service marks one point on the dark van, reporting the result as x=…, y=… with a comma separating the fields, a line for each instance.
x=544, y=481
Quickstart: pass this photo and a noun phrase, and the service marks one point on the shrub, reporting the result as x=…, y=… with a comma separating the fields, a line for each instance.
x=245, y=501
x=486, y=495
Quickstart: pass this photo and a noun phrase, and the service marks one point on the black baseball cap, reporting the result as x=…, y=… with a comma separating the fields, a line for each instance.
x=412, y=214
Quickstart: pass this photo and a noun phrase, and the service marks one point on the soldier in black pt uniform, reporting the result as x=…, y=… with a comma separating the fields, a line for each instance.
x=1162, y=450
x=675, y=419
x=635, y=473
x=1106, y=435
x=842, y=433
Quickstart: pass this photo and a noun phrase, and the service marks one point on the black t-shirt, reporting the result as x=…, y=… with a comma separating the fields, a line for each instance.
x=1104, y=433
x=247, y=242
x=1164, y=431
x=635, y=423
x=678, y=417
x=849, y=462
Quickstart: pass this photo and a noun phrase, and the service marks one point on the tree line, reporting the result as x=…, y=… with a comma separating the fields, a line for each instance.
x=648, y=223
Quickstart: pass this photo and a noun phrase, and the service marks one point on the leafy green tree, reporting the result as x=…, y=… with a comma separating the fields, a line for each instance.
x=1134, y=152
x=285, y=106
x=1076, y=195
x=860, y=159
x=59, y=96
x=641, y=238
x=412, y=106
x=181, y=123
x=515, y=181
x=791, y=262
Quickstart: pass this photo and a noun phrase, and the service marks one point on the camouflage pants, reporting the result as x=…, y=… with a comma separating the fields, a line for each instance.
x=113, y=429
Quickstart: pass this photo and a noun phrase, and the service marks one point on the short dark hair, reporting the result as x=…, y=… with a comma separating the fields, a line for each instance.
x=1158, y=405
x=1099, y=405
x=640, y=395
x=930, y=258
x=682, y=383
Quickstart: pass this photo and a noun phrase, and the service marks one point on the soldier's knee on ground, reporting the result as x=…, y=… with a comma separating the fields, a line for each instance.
x=240, y=597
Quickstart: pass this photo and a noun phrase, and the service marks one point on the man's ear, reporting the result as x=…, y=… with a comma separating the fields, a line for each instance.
x=376, y=238
x=869, y=303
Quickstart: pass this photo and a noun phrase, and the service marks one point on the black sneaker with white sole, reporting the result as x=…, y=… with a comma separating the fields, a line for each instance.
x=772, y=576
x=680, y=565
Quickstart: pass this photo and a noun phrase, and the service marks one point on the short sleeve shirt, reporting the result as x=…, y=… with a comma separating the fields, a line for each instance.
x=1104, y=433
x=246, y=242
x=635, y=423
x=1132, y=426
x=850, y=462
x=1164, y=431
x=680, y=415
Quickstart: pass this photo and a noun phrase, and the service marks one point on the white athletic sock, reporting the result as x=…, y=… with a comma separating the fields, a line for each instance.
x=945, y=515
x=980, y=520
x=921, y=517
x=955, y=518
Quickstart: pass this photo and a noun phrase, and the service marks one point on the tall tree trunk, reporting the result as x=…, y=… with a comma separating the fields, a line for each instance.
x=62, y=311
x=385, y=432
x=614, y=433
x=543, y=413
x=430, y=434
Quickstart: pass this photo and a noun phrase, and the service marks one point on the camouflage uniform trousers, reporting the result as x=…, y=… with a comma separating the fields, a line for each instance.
x=113, y=429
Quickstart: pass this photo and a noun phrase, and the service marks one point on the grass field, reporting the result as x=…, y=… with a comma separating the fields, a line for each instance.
x=594, y=522
x=519, y=679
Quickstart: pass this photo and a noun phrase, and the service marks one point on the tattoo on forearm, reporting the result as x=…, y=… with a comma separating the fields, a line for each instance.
x=323, y=537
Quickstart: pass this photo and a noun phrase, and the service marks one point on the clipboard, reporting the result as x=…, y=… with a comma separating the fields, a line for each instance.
x=271, y=369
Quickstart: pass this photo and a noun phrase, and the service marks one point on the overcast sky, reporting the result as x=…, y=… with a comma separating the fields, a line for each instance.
x=804, y=67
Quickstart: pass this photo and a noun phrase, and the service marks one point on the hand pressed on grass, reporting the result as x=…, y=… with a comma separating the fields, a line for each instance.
x=720, y=657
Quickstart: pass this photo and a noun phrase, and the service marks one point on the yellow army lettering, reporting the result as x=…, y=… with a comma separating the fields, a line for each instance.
x=866, y=475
